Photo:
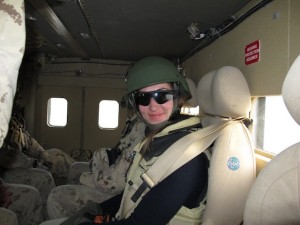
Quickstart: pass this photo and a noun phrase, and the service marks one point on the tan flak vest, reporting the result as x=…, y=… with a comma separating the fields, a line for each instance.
x=145, y=175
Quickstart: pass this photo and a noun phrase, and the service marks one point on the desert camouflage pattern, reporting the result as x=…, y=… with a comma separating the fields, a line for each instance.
x=60, y=162
x=24, y=161
x=8, y=217
x=75, y=171
x=30, y=187
x=82, y=155
x=24, y=201
x=110, y=178
x=20, y=149
x=12, y=47
x=12, y=36
x=66, y=200
x=40, y=179
x=102, y=180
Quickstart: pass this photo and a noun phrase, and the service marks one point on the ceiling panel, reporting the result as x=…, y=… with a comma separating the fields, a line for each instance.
x=121, y=30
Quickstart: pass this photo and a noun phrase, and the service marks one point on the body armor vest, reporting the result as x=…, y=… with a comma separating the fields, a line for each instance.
x=136, y=188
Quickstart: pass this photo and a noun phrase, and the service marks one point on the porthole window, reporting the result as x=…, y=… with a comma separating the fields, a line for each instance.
x=108, y=117
x=57, y=111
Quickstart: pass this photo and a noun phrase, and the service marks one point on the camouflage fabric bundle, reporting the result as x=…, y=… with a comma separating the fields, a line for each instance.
x=83, y=155
x=19, y=148
x=109, y=165
x=103, y=179
x=12, y=47
x=22, y=150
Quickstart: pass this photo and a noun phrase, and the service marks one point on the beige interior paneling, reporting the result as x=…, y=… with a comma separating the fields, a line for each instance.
x=94, y=137
x=81, y=131
x=64, y=138
x=276, y=26
x=83, y=92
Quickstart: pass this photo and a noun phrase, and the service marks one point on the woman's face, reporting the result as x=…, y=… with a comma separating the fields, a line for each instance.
x=156, y=113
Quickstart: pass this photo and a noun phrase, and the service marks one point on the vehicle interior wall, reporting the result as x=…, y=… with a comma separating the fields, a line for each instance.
x=277, y=28
x=86, y=82
x=83, y=84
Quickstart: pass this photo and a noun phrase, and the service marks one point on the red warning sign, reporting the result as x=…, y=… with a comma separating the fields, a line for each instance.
x=252, y=52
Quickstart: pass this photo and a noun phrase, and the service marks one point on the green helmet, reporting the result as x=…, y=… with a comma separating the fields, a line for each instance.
x=155, y=70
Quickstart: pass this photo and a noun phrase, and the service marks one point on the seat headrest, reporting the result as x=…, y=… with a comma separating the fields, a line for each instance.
x=274, y=197
x=290, y=90
x=193, y=101
x=225, y=93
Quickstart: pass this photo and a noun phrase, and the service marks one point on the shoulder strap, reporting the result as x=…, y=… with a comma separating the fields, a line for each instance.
x=182, y=151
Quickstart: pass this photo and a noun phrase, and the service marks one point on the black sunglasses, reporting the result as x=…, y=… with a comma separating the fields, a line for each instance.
x=160, y=96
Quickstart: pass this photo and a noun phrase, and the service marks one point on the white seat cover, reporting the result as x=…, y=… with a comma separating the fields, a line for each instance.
x=224, y=94
x=274, y=198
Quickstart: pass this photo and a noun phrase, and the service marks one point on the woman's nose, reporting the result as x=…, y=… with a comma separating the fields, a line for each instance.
x=153, y=104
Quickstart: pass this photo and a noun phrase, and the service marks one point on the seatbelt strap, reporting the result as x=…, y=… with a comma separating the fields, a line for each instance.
x=182, y=151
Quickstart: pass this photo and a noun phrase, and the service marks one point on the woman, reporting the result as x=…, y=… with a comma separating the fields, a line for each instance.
x=157, y=91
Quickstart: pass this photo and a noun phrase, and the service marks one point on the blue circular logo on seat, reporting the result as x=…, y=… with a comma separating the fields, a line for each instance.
x=233, y=163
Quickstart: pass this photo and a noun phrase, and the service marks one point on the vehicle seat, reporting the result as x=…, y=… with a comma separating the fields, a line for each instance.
x=223, y=94
x=193, y=89
x=275, y=196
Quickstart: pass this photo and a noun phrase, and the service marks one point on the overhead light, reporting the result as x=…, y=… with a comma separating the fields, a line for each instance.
x=194, y=31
